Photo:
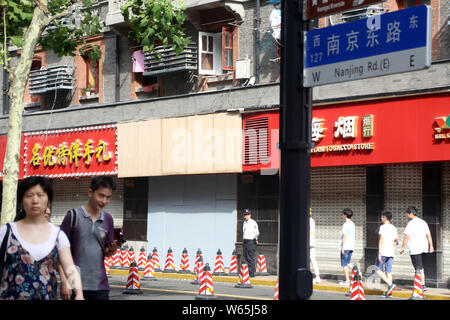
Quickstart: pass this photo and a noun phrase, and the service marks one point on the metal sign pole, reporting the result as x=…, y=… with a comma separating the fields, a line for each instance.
x=295, y=279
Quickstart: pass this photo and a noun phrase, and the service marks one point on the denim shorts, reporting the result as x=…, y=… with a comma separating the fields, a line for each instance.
x=387, y=262
x=346, y=257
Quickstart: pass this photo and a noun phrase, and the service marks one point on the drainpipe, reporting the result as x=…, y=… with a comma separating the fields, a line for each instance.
x=256, y=24
x=117, y=80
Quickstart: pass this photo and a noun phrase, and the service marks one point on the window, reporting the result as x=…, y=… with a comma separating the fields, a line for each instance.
x=92, y=74
x=216, y=52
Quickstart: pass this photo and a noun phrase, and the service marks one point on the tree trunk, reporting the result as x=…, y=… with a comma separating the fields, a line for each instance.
x=18, y=79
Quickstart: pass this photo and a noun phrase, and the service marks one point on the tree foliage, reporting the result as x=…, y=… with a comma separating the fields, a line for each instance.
x=156, y=22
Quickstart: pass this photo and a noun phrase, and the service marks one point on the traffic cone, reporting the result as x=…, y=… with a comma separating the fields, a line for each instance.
x=155, y=258
x=275, y=295
x=107, y=262
x=124, y=257
x=261, y=268
x=198, y=269
x=233, y=265
x=169, y=267
x=244, y=278
x=133, y=285
x=127, y=262
x=206, y=291
x=131, y=255
x=357, y=292
x=417, y=287
x=149, y=271
x=219, y=268
x=354, y=272
x=116, y=259
x=142, y=261
x=184, y=265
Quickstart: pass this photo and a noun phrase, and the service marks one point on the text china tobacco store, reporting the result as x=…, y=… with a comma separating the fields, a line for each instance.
x=372, y=156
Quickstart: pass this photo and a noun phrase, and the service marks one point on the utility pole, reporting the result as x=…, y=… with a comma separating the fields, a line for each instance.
x=295, y=279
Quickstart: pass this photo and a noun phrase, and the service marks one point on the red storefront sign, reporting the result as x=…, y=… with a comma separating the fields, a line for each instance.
x=402, y=130
x=380, y=132
x=74, y=152
x=319, y=8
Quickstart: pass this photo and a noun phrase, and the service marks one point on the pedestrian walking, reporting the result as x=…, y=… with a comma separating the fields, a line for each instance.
x=91, y=233
x=312, y=247
x=386, y=251
x=250, y=240
x=419, y=240
x=347, y=244
x=34, y=247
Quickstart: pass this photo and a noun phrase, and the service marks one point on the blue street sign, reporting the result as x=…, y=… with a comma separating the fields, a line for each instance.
x=384, y=44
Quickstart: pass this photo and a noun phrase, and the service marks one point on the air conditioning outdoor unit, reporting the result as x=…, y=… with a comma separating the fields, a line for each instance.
x=243, y=68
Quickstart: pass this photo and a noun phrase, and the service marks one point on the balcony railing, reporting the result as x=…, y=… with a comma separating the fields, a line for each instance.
x=168, y=62
x=50, y=79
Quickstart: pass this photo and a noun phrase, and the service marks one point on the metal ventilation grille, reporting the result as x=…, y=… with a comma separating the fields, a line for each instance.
x=256, y=141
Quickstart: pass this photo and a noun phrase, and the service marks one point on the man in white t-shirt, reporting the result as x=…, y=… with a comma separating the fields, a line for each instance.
x=418, y=238
x=386, y=251
x=312, y=247
x=347, y=244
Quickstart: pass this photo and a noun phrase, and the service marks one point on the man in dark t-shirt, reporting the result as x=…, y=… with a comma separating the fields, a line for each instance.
x=92, y=240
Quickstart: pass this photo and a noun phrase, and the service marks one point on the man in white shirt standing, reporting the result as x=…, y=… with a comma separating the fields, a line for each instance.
x=386, y=251
x=312, y=247
x=250, y=240
x=418, y=238
x=347, y=244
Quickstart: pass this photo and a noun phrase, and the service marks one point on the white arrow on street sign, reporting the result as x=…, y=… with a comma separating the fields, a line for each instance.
x=384, y=44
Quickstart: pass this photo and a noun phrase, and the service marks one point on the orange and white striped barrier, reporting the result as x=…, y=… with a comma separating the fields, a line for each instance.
x=198, y=270
x=233, y=265
x=133, y=284
x=219, y=267
x=149, y=271
x=127, y=261
x=107, y=262
x=170, y=265
x=142, y=261
x=206, y=291
x=352, y=280
x=357, y=292
x=155, y=258
x=115, y=262
x=261, y=267
x=123, y=257
x=275, y=295
x=131, y=255
x=418, y=287
x=184, y=264
x=244, y=278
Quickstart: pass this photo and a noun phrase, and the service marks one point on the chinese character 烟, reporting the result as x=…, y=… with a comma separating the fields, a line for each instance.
x=317, y=129
x=346, y=127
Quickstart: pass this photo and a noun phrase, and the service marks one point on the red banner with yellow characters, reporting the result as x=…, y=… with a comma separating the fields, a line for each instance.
x=74, y=152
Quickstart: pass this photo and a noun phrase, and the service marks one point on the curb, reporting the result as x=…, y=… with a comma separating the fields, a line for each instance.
x=273, y=283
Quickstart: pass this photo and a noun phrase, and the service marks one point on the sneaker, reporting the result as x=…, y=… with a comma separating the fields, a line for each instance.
x=344, y=283
x=316, y=280
x=390, y=289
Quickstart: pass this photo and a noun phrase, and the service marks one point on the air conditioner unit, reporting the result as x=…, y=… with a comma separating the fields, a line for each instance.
x=243, y=68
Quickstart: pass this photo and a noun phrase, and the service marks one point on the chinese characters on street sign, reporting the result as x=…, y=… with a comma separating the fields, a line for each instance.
x=318, y=8
x=380, y=45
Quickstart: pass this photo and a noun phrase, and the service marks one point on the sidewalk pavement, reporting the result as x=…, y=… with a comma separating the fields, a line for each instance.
x=402, y=291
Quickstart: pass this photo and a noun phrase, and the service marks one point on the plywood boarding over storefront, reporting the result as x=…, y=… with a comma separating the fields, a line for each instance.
x=177, y=146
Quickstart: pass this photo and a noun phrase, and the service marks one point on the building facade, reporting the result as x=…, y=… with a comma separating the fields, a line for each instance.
x=193, y=141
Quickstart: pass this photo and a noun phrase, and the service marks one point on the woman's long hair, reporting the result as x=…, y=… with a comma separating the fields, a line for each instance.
x=27, y=184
